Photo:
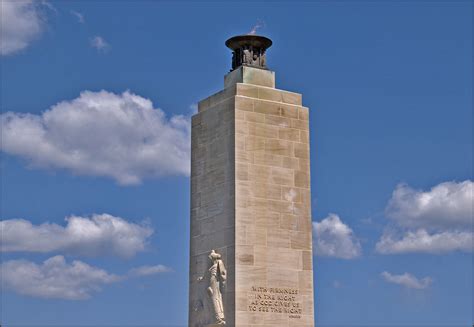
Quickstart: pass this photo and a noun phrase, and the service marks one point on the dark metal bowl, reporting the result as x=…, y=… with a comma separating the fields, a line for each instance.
x=256, y=41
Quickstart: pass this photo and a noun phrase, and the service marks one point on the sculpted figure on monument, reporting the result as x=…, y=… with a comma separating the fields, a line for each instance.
x=255, y=59
x=247, y=57
x=263, y=60
x=217, y=278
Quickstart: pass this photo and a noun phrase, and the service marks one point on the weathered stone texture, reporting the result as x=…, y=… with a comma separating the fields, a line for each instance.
x=251, y=200
x=212, y=201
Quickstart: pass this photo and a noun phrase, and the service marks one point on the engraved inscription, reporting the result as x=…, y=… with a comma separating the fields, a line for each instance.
x=275, y=300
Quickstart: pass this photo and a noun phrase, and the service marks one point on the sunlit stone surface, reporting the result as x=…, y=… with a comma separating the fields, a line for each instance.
x=251, y=204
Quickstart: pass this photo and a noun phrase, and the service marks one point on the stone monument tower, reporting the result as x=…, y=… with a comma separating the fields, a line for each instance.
x=251, y=254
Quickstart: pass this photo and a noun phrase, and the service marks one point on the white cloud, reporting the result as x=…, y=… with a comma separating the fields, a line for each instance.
x=79, y=16
x=148, y=270
x=100, y=44
x=407, y=280
x=422, y=241
x=55, y=278
x=21, y=22
x=445, y=205
x=435, y=221
x=121, y=136
x=333, y=238
x=89, y=236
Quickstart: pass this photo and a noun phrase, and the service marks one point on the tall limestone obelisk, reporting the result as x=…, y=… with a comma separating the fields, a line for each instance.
x=251, y=255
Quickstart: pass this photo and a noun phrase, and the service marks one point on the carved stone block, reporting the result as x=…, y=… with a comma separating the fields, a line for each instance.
x=251, y=204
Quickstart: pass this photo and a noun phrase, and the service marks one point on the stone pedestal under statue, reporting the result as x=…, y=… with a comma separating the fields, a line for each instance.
x=251, y=255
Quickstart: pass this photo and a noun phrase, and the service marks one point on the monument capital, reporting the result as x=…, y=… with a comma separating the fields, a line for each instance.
x=249, y=50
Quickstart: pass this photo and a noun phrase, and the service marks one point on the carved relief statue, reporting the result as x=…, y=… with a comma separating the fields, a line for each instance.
x=263, y=60
x=247, y=57
x=255, y=59
x=216, y=275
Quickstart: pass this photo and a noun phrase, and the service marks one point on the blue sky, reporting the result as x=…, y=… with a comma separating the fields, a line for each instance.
x=96, y=99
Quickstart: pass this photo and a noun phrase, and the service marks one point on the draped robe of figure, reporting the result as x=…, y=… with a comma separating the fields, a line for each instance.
x=217, y=279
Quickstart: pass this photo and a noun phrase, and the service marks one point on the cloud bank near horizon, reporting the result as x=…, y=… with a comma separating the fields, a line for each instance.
x=55, y=278
x=97, y=235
